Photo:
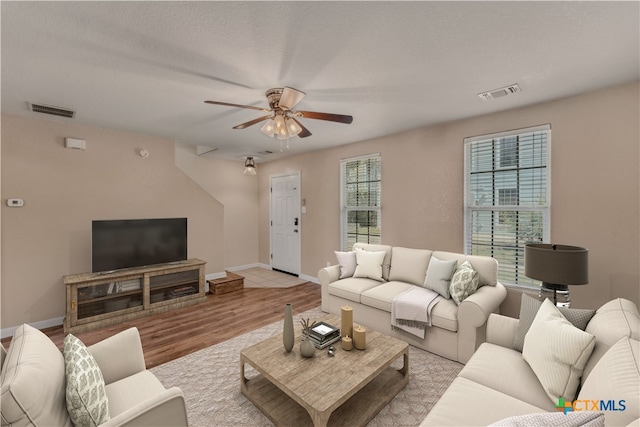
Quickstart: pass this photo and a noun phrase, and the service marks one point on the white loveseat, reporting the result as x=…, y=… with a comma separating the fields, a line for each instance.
x=456, y=331
x=34, y=393
x=499, y=386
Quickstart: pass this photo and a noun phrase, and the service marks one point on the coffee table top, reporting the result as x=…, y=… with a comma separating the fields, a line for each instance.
x=322, y=382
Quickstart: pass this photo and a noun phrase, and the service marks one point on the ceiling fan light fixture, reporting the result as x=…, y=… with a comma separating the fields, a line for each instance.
x=293, y=127
x=249, y=166
x=269, y=128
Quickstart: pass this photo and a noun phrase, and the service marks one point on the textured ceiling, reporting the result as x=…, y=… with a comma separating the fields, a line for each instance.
x=148, y=66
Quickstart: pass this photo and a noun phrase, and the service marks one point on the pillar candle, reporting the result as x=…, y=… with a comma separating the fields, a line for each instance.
x=359, y=337
x=347, y=343
x=346, y=316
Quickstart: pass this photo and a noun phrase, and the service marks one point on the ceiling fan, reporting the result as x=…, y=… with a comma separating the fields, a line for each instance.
x=282, y=121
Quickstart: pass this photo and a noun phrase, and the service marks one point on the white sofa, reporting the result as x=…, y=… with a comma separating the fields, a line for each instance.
x=499, y=386
x=33, y=391
x=456, y=331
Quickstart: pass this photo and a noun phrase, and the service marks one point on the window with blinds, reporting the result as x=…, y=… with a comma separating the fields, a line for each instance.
x=360, y=183
x=507, y=197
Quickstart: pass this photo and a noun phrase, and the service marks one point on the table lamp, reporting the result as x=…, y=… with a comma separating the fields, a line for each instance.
x=557, y=266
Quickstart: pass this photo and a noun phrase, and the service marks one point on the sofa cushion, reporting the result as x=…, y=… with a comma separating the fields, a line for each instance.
x=381, y=296
x=369, y=264
x=351, y=288
x=33, y=381
x=616, y=319
x=554, y=419
x=347, y=261
x=463, y=283
x=486, y=267
x=386, y=264
x=131, y=391
x=616, y=377
x=445, y=315
x=439, y=274
x=529, y=307
x=557, y=352
x=409, y=265
x=468, y=403
x=505, y=371
x=85, y=392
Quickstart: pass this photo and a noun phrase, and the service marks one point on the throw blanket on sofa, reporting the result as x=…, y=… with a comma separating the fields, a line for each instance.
x=411, y=310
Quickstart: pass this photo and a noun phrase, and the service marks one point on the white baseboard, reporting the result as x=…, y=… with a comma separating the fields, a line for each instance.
x=57, y=321
x=247, y=266
x=309, y=278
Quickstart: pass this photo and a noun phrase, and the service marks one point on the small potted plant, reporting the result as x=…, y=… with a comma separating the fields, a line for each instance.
x=307, y=349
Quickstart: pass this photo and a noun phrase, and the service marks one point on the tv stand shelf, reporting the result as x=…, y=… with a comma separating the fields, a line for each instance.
x=107, y=298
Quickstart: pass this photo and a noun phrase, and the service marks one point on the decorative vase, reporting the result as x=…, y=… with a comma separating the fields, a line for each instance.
x=307, y=349
x=287, y=333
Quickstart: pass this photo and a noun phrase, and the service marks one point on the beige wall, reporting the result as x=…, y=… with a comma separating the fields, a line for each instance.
x=595, y=188
x=65, y=189
x=237, y=192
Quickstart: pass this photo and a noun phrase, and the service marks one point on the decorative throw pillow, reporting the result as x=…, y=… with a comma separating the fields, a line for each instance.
x=369, y=264
x=464, y=282
x=347, y=261
x=579, y=317
x=557, y=351
x=86, y=395
x=439, y=274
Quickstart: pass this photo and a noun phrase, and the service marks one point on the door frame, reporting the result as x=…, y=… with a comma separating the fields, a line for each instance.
x=297, y=174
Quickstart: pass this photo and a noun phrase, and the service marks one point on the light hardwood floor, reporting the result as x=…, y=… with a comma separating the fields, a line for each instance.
x=171, y=335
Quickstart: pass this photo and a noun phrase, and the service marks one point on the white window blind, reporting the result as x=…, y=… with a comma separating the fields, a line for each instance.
x=507, y=197
x=360, y=183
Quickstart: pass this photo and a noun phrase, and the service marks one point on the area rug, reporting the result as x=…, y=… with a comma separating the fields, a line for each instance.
x=210, y=381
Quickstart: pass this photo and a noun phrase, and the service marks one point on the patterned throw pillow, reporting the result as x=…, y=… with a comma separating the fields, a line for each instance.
x=464, y=282
x=86, y=395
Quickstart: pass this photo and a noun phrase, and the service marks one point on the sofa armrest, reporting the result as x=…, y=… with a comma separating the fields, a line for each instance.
x=119, y=356
x=326, y=276
x=501, y=330
x=166, y=409
x=473, y=313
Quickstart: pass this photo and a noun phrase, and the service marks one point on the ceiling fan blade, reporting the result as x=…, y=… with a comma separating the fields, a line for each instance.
x=304, y=132
x=340, y=118
x=251, y=122
x=290, y=97
x=251, y=107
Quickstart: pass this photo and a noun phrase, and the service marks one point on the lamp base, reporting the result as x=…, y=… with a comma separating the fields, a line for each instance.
x=558, y=294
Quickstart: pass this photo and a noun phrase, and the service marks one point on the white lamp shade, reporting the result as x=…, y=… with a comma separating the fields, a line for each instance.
x=269, y=128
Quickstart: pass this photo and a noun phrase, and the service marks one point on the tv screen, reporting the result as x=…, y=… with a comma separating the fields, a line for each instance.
x=117, y=244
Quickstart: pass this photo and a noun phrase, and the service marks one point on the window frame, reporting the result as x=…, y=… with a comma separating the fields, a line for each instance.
x=345, y=209
x=504, y=212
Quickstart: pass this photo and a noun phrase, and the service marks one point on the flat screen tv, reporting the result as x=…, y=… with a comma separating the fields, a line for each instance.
x=117, y=244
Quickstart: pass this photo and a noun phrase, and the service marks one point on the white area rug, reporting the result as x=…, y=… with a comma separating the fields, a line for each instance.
x=210, y=380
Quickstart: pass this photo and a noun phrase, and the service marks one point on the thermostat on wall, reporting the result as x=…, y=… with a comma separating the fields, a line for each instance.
x=15, y=203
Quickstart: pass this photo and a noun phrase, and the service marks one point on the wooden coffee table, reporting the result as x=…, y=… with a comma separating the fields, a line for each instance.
x=347, y=389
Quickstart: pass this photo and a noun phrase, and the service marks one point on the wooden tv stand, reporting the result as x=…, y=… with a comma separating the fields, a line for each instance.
x=107, y=298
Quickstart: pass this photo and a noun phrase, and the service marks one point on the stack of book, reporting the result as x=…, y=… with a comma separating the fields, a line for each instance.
x=181, y=292
x=323, y=334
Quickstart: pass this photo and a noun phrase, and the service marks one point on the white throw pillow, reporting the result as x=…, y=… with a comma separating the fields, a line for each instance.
x=557, y=352
x=86, y=394
x=347, y=261
x=369, y=264
x=438, y=277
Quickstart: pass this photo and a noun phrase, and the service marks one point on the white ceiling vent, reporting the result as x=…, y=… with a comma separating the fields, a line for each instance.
x=51, y=110
x=499, y=93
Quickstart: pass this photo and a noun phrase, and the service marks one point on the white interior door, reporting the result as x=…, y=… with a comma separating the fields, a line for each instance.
x=285, y=223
